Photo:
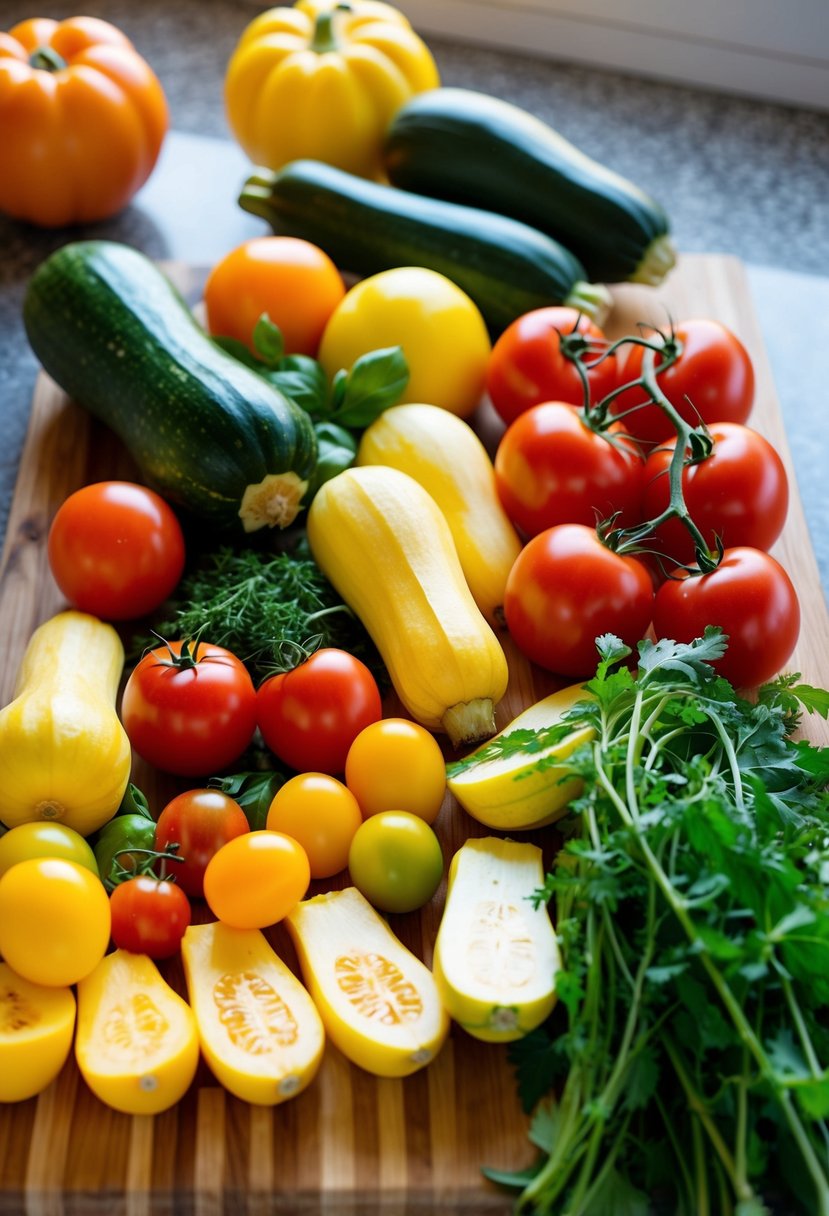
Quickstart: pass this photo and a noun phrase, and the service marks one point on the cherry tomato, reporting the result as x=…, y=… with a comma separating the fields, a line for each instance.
x=291, y=280
x=200, y=822
x=712, y=381
x=566, y=589
x=739, y=493
x=751, y=597
x=551, y=468
x=54, y=920
x=189, y=708
x=310, y=716
x=528, y=364
x=40, y=838
x=116, y=550
x=255, y=880
x=149, y=916
x=321, y=814
x=397, y=765
x=396, y=861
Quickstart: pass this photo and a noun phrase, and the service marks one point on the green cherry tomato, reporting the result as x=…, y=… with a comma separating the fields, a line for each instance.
x=124, y=832
x=43, y=839
x=395, y=861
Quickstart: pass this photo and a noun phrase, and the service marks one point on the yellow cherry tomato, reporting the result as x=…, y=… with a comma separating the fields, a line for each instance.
x=396, y=861
x=441, y=330
x=54, y=920
x=40, y=838
x=255, y=879
x=322, y=814
x=396, y=765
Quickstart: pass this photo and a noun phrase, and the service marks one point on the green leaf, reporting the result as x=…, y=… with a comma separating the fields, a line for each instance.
x=537, y=1063
x=813, y=1097
x=253, y=791
x=302, y=380
x=375, y=382
x=642, y=1079
x=268, y=341
x=617, y=1196
x=336, y=451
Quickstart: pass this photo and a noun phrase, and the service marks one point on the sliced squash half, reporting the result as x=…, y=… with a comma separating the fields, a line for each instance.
x=36, y=1027
x=496, y=954
x=378, y=1001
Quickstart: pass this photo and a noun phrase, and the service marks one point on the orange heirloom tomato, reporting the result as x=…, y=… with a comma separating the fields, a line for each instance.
x=83, y=118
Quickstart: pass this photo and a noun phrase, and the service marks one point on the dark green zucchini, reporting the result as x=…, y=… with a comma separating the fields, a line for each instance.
x=505, y=267
x=205, y=431
x=468, y=147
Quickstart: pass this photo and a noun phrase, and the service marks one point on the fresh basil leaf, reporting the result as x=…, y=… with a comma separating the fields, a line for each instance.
x=375, y=382
x=336, y=450
x=268, y=341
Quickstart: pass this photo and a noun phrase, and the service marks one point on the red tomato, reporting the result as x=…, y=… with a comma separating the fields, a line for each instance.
x=751, y=597
x=189, y=708
x=309, y=717
x=739, y=493
x=712, y=380
x=566, y=589
x=200, y=822
x=551, y=468
x=116, y=550
x=528, y=364
x=149, y=916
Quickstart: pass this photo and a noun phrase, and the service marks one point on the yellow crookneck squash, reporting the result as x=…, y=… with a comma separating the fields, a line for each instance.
x=322, y=81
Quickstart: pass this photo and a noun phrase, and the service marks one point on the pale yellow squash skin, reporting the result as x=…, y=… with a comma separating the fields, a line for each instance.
x=496, y=956
x=377, y=1000
x=385, y=545
x=64, y=754
x=36, y=1029
x=510, y=793
x=445, y=456
x=136, y=1044
x=260, y=1032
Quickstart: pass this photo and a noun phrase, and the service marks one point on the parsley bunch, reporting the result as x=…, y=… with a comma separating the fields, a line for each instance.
x=686, y=1068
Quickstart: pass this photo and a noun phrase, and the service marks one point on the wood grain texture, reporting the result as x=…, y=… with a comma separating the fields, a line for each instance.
x=351, y=1145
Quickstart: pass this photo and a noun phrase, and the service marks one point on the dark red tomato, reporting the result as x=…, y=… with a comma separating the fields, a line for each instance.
x=565, y=589
x=310, y=716
x=199, y=822
x=149, y=916
x=751, y=597
x=550, y=468
x=528, y=365
x=712, y=380
x=116, y=550
x=189, y=708
x=739, y=493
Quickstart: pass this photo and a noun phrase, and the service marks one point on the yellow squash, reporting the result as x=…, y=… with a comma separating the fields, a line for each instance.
x=509, y=791
x=64, y=754
x=322, y=80
x=443, y=454
x=385, y=545
x=137, y=1045
x=259, y=1029
x=36, y=1028
x=377, y=1000
x=496, y=955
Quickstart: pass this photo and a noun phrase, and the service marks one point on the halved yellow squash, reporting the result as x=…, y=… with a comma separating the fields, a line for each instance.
x=36, y=1027
x=377, y=1000
x=259, y=1029
x=496, y=954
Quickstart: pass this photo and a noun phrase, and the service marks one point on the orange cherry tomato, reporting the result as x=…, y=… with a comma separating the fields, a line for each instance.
x=83, y=118
x=322, y=814
x=256, y=879
x=396, y=765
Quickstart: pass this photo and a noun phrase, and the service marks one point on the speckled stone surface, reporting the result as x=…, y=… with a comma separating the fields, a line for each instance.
x=736, y=176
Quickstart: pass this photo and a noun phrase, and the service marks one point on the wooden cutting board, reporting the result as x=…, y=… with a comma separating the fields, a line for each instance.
x=351, y=1145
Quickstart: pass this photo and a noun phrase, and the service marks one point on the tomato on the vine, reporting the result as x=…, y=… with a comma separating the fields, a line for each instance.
x=567, y=588
x=199, y=822
x=711, y=381
x=149, y=916
x=189, y=708
x=310, y=716
x=528, y=363
x=552, y=468
x=751, y=597
x=739, y=493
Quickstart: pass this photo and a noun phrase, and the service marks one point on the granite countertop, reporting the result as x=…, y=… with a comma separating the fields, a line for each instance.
x=736, y=175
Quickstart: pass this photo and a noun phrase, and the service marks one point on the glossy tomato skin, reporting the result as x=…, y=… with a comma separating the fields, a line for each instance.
x=199, y=822
x=310, y=716
x=551, y=468
x=395, y=861
x=45, y=838
x=116, y=550
x=751, y=597
x=739, y=493
x=255, y=880
x=712, y=380
x=322, y=815
x=189, y=720
x=149, y=916
x=527, y=364
x=566, y=589
x=397, y=765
